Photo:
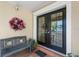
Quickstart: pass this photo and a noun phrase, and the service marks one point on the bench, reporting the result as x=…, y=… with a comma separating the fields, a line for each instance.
x=12, y=45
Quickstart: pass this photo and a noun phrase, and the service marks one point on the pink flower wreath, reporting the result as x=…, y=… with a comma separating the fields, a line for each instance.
x=17, y=23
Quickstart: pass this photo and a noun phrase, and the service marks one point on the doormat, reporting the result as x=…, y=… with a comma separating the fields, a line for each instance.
x=40, y=53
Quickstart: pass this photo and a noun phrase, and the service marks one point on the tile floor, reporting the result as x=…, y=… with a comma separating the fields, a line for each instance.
x=25, y=53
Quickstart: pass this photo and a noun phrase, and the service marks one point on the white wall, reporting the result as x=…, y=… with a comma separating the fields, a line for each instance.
x=53, y=7
x=6, y=13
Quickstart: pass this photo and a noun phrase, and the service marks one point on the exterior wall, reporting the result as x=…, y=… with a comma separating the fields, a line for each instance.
x=75, y=28
x=7, y=12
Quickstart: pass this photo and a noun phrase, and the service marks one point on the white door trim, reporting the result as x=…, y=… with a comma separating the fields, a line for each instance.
x=52, y=7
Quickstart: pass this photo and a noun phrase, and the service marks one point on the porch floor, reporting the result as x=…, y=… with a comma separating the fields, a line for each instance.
x=25, y=53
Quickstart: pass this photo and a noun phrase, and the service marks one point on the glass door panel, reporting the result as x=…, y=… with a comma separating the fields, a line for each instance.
x=56, y=29
x=59, y=33
x=59, y=29
x=53, y=33
x=41, y=29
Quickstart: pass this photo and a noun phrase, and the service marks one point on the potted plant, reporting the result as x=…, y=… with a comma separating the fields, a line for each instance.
x=35, y=45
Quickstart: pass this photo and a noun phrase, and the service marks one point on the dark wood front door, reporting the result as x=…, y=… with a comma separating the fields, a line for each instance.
x=51, y=30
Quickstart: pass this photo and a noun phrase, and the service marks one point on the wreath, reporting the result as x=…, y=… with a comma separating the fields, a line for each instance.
x=17, y=23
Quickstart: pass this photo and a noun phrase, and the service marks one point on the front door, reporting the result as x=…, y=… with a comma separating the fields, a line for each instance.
x=51, y=30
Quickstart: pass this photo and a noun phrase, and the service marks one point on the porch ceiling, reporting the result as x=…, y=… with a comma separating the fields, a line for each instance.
x=31, y=5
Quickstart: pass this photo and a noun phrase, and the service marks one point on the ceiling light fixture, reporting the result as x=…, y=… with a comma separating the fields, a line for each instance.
x=17, y=7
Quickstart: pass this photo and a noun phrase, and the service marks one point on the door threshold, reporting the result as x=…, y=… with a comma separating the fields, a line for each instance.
x=53, y=51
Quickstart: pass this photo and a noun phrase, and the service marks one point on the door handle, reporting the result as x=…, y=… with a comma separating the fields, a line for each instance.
x=47, y=32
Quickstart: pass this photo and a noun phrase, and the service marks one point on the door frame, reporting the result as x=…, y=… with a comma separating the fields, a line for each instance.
x=48, y=36
x=52, y=7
